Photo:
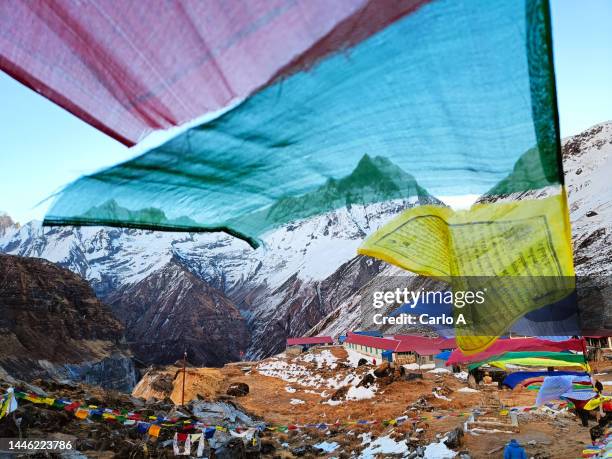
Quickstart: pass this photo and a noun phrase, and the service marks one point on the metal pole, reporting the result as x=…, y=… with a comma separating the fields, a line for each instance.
x=585, y=353
x=184, y=374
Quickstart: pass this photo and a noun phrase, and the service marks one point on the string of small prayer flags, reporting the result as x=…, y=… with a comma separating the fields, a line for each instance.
x=152, y=425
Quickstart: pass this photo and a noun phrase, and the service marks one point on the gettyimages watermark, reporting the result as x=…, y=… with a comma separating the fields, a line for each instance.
x=411, y=299
x=487, y=306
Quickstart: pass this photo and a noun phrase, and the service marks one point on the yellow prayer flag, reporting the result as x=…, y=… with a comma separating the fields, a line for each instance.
x=485, y=240
x=595, y=402
x=520, y=251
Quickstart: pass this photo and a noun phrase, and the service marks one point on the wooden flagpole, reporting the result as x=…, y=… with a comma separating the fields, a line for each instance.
x=184, y=375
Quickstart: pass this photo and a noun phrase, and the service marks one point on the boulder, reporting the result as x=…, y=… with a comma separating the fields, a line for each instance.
x=233, y=449
x=383, y=370
x=238, y=389
x=454, y=438
x=367, y=380
x=412, y=376
x=163, y=383
x=306, y=450
x=267, y=447
x=340, y=393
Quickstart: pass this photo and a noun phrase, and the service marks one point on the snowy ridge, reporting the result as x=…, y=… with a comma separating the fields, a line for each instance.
x=110, y=258
x=307, y=275
x=276, y=282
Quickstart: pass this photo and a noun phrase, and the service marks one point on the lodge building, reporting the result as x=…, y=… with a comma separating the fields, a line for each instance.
x=402, y=349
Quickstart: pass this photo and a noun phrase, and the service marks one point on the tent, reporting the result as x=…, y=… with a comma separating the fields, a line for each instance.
x=502, y=346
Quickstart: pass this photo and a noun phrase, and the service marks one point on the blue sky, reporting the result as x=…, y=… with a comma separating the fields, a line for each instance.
x=44, y=147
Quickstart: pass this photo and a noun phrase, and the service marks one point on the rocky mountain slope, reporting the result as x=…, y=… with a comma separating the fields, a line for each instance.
x=6, y=224
x=306, y=275
x=172, y=311
x=53, y=325
x=587, y=160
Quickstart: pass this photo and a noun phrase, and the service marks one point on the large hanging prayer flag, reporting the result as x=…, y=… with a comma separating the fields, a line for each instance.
x=500, y=239
x=363, y=102
x=517, y=254
x=515, y=246
x=130, y=67
x=411, y=101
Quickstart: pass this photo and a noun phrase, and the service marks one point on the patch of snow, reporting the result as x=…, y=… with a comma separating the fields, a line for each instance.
x=323, y=358
x=354, y=357
x=439, y=451
x=489, y=431
x=297, y=401
x=290, y=389
x=327, y=447
x=298, y=374
x=360, y=393
x=467, y=389
x=416, y=366
x=439, y=370
x=462, y=375
x=383, y=445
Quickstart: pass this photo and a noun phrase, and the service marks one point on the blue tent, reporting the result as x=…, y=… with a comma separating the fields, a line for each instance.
x=517, y=377
x=374, y=333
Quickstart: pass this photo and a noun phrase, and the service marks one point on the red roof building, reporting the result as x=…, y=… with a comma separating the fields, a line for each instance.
x=385, y=344
x=424, y=345
x=401, y=346
x=310, y=341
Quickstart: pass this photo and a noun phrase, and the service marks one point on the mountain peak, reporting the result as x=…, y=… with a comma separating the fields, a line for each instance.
x=6, y=222
x=374, y=179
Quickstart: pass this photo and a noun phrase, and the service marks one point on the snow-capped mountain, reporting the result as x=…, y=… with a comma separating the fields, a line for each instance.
x=306, y=276
x=587, y=162
x=279, y=288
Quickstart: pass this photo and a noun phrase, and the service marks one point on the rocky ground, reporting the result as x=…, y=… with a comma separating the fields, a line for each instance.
x=368, y=411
